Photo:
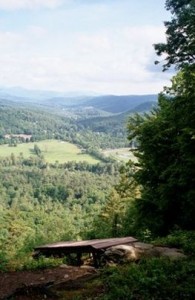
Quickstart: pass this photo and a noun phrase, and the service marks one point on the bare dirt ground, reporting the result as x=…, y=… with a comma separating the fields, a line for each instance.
x=42, y=284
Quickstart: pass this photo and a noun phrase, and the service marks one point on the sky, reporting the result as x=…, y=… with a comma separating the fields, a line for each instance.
x=93, y=46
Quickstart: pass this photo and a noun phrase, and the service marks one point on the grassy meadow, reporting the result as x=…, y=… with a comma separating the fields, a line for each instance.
x=120, y=154
x=52, y=150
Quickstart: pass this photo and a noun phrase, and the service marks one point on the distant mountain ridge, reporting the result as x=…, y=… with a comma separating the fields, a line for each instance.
x=112, y=104
x=116, y=123
x=15, y=93
x=119, y=104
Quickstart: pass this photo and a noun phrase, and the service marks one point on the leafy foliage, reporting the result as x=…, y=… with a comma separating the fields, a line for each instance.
x=117, y=214
x=180, y=31
x=166, y=164
x=151, y=279
x=166, y=137
x=184, y=240
x=42, y=203
x=39, y=263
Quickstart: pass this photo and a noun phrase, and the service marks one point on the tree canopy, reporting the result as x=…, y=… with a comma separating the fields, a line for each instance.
x=179, y=48
x=166, y=137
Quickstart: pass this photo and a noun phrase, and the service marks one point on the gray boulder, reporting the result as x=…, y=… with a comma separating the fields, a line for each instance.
x=144, y=250
x=136, y=251
x=120, y=253
x=171, y=253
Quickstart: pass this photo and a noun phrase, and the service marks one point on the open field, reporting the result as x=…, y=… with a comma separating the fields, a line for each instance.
x=120, y=154
x=52, y=150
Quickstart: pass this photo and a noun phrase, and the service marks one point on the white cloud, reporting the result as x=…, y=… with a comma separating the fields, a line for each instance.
x=37, y=31
x=9, y=41
x=28, y=4
x=120, y=56
x=110, y=61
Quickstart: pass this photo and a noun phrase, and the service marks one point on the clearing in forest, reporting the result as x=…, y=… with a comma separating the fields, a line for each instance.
x=120, y=154
x=52, y=150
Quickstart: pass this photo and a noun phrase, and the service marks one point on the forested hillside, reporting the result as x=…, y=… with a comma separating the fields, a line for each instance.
x=42, y=124
x=43, y=202
x=116, y=124
x=90, y=128
x=118, y=104
x=39, y=124
x=108, y=103
x=151, y=197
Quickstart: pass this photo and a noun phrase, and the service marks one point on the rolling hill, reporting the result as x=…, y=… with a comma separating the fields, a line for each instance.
x=115, y=123
x=119, y=104
x=108, y=103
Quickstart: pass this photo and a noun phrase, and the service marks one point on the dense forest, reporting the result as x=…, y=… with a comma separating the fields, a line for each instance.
x=151, y=198
x=42, y=203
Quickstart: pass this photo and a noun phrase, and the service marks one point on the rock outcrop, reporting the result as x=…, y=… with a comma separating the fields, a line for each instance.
x=137, y=251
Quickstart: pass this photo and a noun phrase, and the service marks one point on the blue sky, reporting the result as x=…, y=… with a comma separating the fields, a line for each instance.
x=100, y=46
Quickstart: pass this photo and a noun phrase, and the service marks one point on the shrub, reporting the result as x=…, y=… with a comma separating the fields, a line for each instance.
x=180, y=239
x=151, y=279
x=40, y=263
x=3, y=261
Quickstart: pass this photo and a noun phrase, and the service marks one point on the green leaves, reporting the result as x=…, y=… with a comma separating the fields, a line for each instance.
x=166, y=160
x=151, y=279
x=165, y=138
x=180, y=32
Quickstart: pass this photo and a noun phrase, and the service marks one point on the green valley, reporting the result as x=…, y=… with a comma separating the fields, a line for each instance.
x=77, y=168
x=51, y=150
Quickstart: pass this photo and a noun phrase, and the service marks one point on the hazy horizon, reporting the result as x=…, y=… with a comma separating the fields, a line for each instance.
x=103, y=47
